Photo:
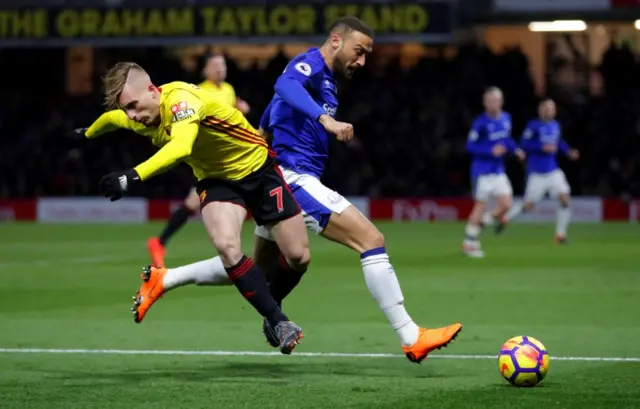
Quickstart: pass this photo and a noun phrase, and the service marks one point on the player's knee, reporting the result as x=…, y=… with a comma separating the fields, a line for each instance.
x=504, y=202
x=299, y=258
x=527, y=207
x=192, y=203
x=565, y=201
x=373, y=239
x=229, y=250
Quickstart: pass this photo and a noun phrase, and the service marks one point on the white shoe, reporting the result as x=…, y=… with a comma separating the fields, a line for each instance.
x=472, y=250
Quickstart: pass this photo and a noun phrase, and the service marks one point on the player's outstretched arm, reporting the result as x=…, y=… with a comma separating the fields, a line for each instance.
x=108, y=122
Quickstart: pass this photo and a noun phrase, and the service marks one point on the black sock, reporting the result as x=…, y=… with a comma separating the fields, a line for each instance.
x=284, y=280
x=253, y=286
x=176, y=221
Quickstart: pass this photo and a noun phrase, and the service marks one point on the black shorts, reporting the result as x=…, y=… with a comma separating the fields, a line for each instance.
x=264, y=194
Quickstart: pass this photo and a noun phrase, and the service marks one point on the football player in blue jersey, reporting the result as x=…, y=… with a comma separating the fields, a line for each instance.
x=489, y=141
x=542, y=140
x=300, y=119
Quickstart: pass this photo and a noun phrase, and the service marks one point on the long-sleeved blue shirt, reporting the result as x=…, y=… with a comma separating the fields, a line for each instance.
x=537, y=134
x=487, y=132
x=306, y=90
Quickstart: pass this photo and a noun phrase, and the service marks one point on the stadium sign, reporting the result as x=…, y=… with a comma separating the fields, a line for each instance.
x=24, y=27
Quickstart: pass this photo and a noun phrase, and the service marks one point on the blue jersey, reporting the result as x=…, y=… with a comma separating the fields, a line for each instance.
x=537, y=134
x=306, y=90
x=487, y=132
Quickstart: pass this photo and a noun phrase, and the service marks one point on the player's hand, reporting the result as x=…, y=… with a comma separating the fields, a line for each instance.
x=242, y=106
x=573, y=154
x=498, y=150
x=520, y=154
x=266, y=135
x=80, y=132
x=115, y=184
x=549, y=148
x=342, y=130
x=77, y=134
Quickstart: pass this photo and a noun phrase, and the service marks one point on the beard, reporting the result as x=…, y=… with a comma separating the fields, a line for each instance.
x=341, y=68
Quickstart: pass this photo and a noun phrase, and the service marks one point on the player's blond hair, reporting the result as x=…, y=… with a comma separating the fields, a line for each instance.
x=493, y=90
x=114, y=81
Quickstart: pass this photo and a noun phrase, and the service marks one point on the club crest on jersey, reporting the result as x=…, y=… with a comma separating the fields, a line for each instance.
x=181, y=111
x=303, y=68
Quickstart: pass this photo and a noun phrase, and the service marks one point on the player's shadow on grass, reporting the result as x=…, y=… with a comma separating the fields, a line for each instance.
x=253, y=372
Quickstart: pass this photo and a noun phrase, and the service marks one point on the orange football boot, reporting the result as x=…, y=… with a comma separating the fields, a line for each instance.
x=560, y=239
x=151, y=290
x=156, y=250
x=430, y=340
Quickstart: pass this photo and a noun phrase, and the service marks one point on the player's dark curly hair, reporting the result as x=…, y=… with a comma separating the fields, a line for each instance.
x=349, y=24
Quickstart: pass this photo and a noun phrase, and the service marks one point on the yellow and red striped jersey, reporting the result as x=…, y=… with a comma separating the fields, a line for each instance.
x=211, y=136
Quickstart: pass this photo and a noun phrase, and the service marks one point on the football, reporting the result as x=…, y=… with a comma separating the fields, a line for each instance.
x=523, y=361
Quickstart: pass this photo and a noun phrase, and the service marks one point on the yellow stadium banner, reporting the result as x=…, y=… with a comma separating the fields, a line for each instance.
x=416, y=21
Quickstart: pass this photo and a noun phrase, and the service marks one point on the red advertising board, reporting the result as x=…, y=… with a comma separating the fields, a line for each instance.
x=16, y=209
x=625, y=3
x=138, y=210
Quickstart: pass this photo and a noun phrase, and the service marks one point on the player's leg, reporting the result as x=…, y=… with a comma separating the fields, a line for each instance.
x=471, y=245
x=156, y=281
x=178, y=218
x=331, y=215
x=352, y=229
x=282, y=277
x=223, y=222
x=267, y=256
x=502, y=191
x=159, y=280
x=276, y=209
x=266, y=253
x=534, y=191
x=561, y=190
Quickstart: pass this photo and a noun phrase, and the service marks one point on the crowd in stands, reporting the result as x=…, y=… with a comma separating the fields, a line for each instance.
x=411, y=125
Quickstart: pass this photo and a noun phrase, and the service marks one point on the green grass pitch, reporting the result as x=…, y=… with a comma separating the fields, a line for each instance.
x=67, y=287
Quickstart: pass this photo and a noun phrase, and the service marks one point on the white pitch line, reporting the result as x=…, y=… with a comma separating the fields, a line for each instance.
x=301, y=354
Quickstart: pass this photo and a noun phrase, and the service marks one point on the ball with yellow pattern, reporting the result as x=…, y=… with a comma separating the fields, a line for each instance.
x=523, y=361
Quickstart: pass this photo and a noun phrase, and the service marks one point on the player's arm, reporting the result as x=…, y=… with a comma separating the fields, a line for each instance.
x=265, y=128
x=567, y=150
x=184, y=132
x=108, y=122
x=292, y=87
x=529, y=141
x=513, y=148
x=474, y=144
x=564, y=147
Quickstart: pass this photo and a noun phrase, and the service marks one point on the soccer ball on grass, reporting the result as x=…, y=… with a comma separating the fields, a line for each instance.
x=523, y=361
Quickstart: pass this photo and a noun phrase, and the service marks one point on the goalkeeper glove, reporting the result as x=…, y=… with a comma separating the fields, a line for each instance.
x=115, y=184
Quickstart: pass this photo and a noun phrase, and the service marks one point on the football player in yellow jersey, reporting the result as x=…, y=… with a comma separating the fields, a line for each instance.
x=215, y=73
x=235, y=172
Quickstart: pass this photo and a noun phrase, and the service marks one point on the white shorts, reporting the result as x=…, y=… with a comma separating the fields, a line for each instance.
x=316, y=200
x=539, y=184
x=492, y=185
